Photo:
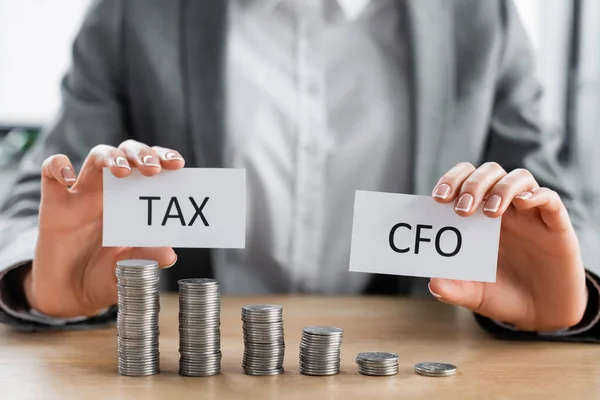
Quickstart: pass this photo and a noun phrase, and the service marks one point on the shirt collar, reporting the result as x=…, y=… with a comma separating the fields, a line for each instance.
x=352, y=9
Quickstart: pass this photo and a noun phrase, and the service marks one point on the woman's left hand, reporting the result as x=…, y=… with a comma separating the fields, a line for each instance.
x=540, y=282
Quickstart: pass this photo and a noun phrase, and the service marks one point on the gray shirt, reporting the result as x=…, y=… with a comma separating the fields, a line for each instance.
x=317, y=108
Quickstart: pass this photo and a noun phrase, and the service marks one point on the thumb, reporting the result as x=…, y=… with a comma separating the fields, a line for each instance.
x=498, y=301
x=461, y=293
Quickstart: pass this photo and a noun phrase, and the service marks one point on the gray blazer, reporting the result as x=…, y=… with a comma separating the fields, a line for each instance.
x=152, y=70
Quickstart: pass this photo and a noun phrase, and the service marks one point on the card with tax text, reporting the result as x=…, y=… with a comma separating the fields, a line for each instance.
x=400, y=234
x=190, y=207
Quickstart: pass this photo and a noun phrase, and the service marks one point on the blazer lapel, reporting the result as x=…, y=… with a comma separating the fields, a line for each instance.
x=432, y=42
x=203, y=25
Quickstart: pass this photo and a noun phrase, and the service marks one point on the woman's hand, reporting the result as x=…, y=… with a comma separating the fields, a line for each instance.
x=72, y=274
x=540, y=281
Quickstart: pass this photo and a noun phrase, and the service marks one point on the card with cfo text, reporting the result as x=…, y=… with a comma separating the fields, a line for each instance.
x=400, y=234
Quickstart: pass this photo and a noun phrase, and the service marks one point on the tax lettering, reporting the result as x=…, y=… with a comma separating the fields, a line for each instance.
x=419, y=238
x=174, y=210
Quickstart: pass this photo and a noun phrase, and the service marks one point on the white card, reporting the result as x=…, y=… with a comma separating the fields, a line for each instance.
x=191, y=207
x=401, y=234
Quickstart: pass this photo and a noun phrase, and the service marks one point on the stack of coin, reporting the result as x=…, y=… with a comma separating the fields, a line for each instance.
x=264, y=345
x=320, y=350
x=199, y=327
x=137, y=319
x=435, y=369
x=377, y=363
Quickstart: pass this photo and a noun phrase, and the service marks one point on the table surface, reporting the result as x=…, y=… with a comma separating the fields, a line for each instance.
x=82, y=365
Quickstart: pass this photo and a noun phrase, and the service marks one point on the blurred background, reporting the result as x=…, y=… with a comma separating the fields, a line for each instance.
x=35, y=39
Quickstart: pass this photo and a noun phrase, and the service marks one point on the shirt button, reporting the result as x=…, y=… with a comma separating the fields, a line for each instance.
x=312, y=147
x=312, y=89
x=308, y=220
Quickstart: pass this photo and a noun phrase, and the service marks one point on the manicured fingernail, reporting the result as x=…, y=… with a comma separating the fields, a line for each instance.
x=437, y=296
x=441, y=191
x=68, y=174
x=173, y=156
x=525, y=195
x=465, y=202
x=150, y=161
x=122, y=163
x=493, y=203
x=173, y=263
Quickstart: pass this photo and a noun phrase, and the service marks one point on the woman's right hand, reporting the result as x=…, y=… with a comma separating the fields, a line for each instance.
x=72, y=274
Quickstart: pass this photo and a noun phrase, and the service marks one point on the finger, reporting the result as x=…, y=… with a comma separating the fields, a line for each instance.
x=170, y=159
x=476, y=186
x=57, y=174
x=548, y=202
x=100, y=157
x=144, y=158
x=448, y=186
x=507, y=188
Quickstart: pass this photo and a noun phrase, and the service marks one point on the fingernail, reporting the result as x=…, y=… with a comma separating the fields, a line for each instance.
x=169, y=266
x=465, y=202
x=173, y=156
x=437, y=296
x=441, y=191
x=493, y=203
x=150, y=161
x=525, y=195
x=68, y=174
x=122, y=163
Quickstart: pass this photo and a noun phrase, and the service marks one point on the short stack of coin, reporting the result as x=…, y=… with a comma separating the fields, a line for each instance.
x=377, y=363
x=264, y=344
x=320, y=350
x=199, y=327
x=435, y=369
x=137, y=318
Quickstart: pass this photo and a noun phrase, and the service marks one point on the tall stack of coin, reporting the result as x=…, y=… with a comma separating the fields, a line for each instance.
x=377, y=363
x=199, y=327
x=264, y=345
x=137, y=319
x=320, y=350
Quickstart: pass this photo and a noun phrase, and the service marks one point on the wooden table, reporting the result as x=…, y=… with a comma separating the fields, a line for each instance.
x=82, y=365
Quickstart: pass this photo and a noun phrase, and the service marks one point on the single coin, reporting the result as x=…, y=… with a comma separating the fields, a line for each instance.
x=435, y=369
x=197, y=281
x=322, y=330
x=377, y=356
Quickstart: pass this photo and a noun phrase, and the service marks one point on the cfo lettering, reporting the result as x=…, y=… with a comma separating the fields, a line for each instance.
x=419, y=238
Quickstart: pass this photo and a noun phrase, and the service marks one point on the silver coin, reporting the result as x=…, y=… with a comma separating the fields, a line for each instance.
x=257, y=372
x=377, y=356
x=322, y=330
x=262, y=308
x=378, y=373
x=435, y=369
x=197, y=282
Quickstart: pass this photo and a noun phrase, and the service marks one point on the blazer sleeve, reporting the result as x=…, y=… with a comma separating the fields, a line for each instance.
x=93, y=100
x=517, y=140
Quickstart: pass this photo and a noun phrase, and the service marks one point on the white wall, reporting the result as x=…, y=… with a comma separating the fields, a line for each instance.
x=36, y=35
x=35, y=40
